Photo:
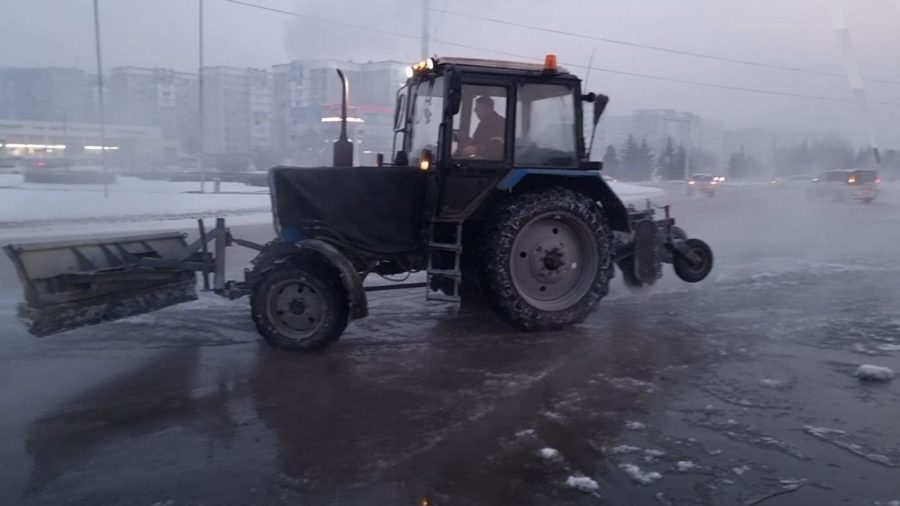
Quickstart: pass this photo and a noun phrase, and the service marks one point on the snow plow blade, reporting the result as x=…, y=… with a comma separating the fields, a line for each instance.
x=78, y=283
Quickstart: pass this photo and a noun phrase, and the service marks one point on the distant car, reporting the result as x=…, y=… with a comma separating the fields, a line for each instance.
x=704, y=183
x=841, y=185
x=796, y=180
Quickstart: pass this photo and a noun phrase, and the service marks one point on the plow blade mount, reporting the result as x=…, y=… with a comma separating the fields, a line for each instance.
x=77, y=283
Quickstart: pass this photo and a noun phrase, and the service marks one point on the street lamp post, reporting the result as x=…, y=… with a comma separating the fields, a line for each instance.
x=100, y=97
x=200, y=162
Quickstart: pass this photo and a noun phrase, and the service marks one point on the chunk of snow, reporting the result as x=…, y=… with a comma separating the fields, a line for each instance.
x=770, y=383
x=740, y=470
x=637, y=475
x=582, y=483
x=634, y=425
x=868, y=372
x=550, y=453
x=622, y=449
x=654, y=453
x=684, y=465
x=889, y=347
x=525, y=433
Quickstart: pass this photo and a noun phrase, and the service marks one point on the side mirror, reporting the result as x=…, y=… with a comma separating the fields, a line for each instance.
x=599, y=106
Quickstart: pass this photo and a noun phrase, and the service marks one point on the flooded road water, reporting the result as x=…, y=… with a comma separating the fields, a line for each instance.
x=738, y=390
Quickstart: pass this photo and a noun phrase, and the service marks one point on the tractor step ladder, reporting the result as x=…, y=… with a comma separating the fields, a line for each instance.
x=444, y=255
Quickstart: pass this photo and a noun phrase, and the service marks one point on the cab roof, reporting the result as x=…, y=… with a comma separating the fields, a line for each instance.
x=481, y=63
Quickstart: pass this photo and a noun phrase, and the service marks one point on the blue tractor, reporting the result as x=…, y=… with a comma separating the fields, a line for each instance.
x=489, y=190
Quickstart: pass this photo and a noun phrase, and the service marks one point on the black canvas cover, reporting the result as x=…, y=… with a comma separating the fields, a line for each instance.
x=377, y=209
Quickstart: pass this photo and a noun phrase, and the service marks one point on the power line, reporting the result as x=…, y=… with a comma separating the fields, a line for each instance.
x=656, y=48
x=528, y=57
x=325, y=20
x=668, y=79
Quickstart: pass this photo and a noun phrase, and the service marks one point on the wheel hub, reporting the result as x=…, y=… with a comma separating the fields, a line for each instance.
x=297, y=308
x=548, y=261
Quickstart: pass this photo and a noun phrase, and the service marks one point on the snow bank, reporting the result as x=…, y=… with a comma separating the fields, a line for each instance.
x=131, y=196
x=550, y=454
x=868, y=372
x=582, y=483
x=638, y=476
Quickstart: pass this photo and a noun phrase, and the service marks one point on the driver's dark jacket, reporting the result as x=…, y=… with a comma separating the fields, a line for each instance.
x=489, y=136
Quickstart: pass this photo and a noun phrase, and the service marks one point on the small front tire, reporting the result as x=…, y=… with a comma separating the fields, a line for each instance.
x=694, y=272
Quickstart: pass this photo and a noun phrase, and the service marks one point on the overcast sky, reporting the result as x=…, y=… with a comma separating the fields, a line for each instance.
x=796, y=33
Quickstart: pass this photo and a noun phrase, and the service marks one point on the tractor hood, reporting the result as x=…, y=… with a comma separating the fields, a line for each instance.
x=376, y=209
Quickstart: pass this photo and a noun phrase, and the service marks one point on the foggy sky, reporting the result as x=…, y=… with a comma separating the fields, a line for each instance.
x=163, y=33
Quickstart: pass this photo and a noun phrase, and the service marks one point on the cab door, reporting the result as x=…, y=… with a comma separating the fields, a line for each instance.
x=480, y=142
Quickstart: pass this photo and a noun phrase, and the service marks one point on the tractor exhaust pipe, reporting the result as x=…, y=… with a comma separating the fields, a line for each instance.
x=343, y=148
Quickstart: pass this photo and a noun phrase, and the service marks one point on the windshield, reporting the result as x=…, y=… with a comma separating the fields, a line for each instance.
x=428, y=107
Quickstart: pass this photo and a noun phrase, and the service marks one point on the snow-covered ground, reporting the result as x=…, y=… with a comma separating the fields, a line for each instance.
x=33, y=211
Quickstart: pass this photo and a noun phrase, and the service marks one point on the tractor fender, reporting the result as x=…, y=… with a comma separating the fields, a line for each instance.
x=589, y=182
x=359, y=307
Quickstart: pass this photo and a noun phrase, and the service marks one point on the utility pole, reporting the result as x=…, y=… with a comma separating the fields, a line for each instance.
x=100, y=97
x=202, y=124
x=425, y=10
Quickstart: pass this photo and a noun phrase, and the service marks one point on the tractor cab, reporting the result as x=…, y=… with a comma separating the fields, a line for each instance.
x=478, y=126
x=471, y=113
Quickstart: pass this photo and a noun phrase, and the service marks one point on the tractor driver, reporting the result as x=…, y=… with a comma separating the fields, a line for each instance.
x=488, y=140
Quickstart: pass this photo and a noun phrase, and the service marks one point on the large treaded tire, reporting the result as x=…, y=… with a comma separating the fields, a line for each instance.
x=500, y=235
x=304, y=270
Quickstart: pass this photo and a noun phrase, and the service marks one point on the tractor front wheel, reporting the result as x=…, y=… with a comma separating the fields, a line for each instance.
x=299, y=305
x=545, y=260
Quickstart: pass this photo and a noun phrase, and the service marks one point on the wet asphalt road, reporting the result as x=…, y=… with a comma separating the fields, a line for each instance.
x=738, y=390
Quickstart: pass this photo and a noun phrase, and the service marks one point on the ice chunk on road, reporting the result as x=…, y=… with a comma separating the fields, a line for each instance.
x=622, y=449
x=684, y=465
x=550, y=454
x=582, y=483
x=639, y=476
x=869, y=372
x=771, y=383
x=634, y=425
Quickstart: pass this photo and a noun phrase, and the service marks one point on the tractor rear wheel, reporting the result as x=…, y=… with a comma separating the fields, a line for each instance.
x=299, y=305
x=545, y=260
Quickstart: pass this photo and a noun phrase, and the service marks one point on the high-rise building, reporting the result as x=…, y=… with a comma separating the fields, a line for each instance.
x=161, y=98
x=45, y=94
x=307, y=97
x=237, y=110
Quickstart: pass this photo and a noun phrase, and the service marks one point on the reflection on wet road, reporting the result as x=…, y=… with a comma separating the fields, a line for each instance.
x=735, y=391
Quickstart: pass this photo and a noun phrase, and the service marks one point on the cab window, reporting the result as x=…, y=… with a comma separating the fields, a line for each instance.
x=479, y=129
x=545, y=126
